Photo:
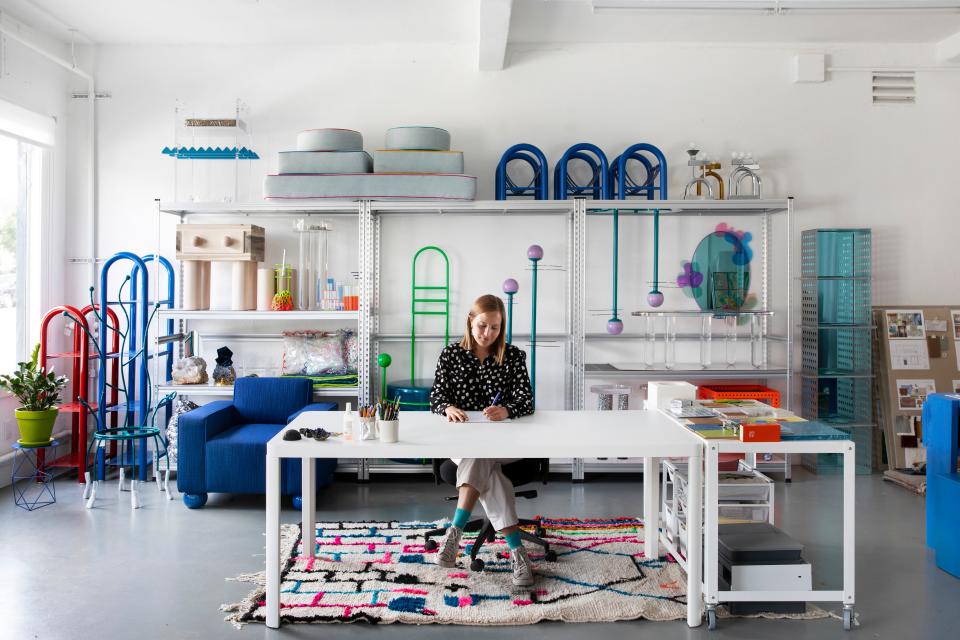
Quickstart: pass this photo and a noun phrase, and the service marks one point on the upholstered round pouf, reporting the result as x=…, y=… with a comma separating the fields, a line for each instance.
x=329, y=140
x=418, y=138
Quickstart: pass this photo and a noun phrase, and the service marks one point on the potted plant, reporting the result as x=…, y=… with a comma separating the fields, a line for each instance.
x=38, y=393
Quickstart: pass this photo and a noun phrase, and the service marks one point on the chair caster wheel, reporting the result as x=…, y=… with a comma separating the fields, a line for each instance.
x=711, y=619
x=430, y=545
x=847, y=619
x=476, y=565
x=550, y=556
x=540, y=532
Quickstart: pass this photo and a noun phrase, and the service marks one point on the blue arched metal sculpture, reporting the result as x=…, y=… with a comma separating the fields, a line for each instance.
x=598, y=187
x=653, y=185
x=166, y=300
x=538, y=187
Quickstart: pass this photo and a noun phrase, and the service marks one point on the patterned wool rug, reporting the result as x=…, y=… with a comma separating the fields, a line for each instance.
x=379, y=572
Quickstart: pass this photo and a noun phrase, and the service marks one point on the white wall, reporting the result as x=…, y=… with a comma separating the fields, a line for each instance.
x=40, y=86
x=846, y=162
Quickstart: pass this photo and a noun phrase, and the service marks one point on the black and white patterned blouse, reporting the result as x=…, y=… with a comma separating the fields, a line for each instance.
x=463, y=381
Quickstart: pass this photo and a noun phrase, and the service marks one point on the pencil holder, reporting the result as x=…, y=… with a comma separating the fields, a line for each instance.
x=368, y=428
x=389, y=430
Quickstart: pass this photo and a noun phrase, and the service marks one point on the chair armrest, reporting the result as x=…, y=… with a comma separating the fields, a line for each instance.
x=316, y=406
x=194, y=429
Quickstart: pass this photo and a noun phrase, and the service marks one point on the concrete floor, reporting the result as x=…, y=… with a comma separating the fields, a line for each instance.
x=159, y=572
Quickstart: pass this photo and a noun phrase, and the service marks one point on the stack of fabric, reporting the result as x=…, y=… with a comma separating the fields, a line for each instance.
x=416, y=164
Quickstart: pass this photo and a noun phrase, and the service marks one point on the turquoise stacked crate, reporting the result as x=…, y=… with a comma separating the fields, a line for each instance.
x=837, y=360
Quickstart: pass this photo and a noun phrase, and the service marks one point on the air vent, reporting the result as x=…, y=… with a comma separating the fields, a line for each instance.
x=894, y=87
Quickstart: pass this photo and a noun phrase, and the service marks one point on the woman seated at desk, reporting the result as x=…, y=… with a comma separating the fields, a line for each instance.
x=483, y=372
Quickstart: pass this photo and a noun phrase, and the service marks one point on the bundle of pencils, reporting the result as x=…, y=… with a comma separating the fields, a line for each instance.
x=367, y=410
x=389, y=410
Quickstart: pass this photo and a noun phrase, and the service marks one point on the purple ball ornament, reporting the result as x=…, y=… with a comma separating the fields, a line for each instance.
x=510, y=286
x=655, y=298
x=535, y=252
x=615, y=326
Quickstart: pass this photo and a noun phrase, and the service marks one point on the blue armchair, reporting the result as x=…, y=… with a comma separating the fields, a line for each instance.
x=222, y=446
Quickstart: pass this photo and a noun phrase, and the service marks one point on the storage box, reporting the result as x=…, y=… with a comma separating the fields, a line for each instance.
x=739, y=392
x=760, y=432
x=220, y=242
x=660, y=393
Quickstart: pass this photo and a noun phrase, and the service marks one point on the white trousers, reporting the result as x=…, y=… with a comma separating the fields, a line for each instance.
x=496, y=491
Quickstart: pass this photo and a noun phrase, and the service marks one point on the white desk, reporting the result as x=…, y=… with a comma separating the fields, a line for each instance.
x=547, y=434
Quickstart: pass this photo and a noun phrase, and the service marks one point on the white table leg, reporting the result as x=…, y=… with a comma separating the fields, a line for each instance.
x=308, y=496
x=849, y=512
x=651, y=508
x=273, y=540
x=711, y=520
x=694, y=543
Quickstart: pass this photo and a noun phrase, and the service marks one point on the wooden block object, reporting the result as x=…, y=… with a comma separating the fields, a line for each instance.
x=220, y=242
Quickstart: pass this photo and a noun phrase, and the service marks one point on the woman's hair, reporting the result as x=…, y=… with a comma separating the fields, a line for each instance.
x=487, y=304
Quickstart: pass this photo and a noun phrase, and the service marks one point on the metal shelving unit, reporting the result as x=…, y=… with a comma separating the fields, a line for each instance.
x=574, y=339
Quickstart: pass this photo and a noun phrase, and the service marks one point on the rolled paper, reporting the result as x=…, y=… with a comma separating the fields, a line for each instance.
x=265, y=288
x=196, y=285
x=250, y=300
x=204, y=267
x=238, y=286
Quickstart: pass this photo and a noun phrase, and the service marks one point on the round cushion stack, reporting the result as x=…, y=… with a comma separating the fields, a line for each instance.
x=331, y=164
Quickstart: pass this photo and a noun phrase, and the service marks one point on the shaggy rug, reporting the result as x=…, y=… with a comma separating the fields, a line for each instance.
x=379, y=572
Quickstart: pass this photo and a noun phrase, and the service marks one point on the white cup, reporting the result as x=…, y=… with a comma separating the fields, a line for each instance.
x=389, y=430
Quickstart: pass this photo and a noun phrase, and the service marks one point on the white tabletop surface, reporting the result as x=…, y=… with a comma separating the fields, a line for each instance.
x=546, y=434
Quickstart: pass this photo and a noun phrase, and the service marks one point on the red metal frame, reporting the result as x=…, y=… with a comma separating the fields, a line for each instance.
x=79, y=381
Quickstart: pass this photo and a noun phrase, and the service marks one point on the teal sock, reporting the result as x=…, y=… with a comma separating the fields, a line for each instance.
x=513, y=539
x=460, y=518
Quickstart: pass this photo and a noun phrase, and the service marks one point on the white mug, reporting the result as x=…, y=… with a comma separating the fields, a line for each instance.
x=389, y=430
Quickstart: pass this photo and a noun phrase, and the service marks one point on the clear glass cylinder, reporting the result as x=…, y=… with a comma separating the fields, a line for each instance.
x=730, y=340
x=650, y=343
x=706, y=341
x=756, y=342
x=670, y=342
x=312, y=263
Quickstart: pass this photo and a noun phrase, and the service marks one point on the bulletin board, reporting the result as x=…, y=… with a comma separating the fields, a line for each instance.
x=916, y=354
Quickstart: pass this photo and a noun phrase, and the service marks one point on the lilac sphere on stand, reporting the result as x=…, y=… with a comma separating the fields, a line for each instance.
x=535, y=252
x=655, y=298
x=510, y=286
x=615, y=326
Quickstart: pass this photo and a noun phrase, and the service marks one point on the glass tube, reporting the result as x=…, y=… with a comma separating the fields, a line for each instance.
x=670, y=342
x=306, y=295
x=730, y=340
x=756, y=342
x=650, y=343
x=706, y=341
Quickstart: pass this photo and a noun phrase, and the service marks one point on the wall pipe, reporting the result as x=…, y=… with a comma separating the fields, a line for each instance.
x=91, y=124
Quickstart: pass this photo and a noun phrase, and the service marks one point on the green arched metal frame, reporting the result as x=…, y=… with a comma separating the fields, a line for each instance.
x=414, y=299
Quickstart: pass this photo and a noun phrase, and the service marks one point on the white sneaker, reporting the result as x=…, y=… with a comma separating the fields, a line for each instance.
x=522, y=568
x=449, y=548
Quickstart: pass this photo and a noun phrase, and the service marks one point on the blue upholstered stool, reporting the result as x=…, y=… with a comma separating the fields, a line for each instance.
x=941, y=435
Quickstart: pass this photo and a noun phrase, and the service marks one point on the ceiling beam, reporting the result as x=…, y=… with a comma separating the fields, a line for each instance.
x=494, y=31
x=948, y=49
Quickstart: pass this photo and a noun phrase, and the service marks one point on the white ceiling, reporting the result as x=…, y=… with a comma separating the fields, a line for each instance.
x=431, y=21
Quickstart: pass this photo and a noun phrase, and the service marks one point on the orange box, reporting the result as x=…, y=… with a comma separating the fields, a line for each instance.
x=739, y=392
x=764, y=432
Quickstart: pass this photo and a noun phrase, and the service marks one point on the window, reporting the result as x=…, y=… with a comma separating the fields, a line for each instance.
x=22, y=180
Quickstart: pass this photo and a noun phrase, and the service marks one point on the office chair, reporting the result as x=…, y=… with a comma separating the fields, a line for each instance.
x=518, y=473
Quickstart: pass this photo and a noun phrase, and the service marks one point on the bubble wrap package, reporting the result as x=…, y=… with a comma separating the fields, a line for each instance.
x=314, y=353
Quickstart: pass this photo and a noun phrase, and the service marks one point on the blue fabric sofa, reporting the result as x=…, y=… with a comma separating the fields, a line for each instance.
x=222, y=446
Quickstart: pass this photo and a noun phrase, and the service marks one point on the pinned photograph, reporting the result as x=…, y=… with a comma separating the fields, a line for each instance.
x=905, y=325
x=955, y=317
x=911, y=394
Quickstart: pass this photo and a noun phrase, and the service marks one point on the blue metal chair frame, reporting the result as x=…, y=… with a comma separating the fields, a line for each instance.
x=625, y=186
x=167, y=301
x=538, y=187
x=597, y=188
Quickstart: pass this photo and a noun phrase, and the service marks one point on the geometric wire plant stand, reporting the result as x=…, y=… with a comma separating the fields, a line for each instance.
x=38, y=488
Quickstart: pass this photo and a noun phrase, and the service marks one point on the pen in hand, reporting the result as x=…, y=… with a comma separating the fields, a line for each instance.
x=495, y=399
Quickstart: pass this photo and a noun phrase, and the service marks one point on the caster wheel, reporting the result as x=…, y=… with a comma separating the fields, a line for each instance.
x=847, y=619
x=430, y=545
x=476, y=565
x=550, y=556
x=540, y=532
x=711, y=619
x=298, y=503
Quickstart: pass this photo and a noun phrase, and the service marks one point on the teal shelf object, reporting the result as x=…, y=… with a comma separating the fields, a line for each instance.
x=836, y=339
